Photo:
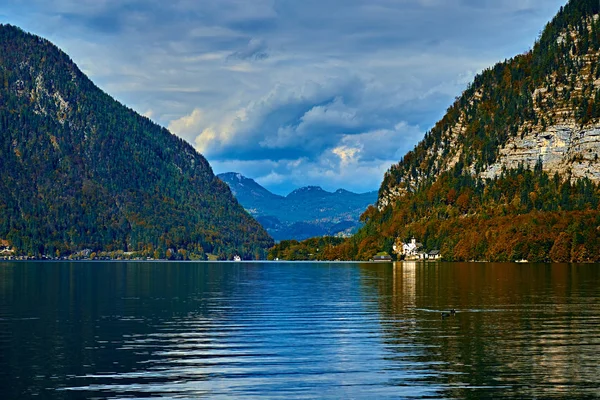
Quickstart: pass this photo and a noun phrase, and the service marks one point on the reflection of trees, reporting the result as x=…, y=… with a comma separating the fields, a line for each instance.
x=519, y=332
x=82, y=317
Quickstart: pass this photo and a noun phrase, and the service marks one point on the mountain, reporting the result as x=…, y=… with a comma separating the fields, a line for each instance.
x=250, y=194
x=82, y=171
x=511, y=171
x=306, y=212
x=542, y=106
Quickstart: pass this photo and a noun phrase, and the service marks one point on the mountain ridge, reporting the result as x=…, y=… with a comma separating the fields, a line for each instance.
x=304, y=212
x=525, y=103
x=81, y=170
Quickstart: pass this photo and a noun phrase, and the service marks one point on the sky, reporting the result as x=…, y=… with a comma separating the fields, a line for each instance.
x=290, y=93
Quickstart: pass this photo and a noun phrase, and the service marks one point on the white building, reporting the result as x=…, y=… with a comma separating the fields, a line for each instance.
x=407, y=250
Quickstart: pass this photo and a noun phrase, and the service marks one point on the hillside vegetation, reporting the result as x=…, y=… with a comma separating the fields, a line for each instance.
x=511, y=171
x=81, y=171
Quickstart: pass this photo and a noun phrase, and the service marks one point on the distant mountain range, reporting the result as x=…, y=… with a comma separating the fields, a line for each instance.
x=82, y=171
x=306, y=212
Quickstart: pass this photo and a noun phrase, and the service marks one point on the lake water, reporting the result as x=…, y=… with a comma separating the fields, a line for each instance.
x=305, y=330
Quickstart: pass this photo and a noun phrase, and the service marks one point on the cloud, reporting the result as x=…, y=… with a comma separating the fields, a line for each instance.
x=386, y=144
x=326, y=92
x=346, y=154
x=255, y=50
x=290, y=122
x=188, y=123
x=327, y=171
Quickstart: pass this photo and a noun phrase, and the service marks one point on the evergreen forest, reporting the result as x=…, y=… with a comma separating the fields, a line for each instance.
x=82, y=171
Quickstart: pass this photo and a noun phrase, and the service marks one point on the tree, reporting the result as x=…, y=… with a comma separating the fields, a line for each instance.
x=463, y=202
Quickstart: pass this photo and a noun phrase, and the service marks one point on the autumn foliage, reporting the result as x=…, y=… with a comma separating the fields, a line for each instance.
x=522, y=214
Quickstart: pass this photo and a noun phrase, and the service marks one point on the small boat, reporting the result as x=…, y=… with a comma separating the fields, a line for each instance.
x=237, y=258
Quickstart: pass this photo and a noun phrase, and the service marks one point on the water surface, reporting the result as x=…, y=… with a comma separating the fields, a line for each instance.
x=298, y=330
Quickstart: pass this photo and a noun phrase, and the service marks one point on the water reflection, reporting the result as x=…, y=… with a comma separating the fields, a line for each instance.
x=405, y=283
x=117, y=330
x=519, y=332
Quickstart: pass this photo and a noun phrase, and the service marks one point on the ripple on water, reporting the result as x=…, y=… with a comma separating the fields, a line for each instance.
x=300, y=331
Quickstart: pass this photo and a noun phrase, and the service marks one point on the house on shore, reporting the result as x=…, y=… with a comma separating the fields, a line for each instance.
x=382, y=257
x=412, y=251
x=5, y=249
x=433, y=255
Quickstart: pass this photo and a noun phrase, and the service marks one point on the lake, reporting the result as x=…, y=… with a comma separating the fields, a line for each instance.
x=298, y=330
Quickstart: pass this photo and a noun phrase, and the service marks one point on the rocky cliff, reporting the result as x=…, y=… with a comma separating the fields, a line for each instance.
x=540, y=106
x=565, y=149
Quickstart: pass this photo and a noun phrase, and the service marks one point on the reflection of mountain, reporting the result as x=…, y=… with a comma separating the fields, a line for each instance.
x=306, y=212
x=518, y=333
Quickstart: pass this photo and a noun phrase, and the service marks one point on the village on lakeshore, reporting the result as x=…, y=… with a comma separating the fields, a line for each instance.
x=8, y=253
x=411, y=251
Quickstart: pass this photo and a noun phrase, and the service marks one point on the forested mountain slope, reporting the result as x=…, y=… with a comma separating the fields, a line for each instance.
x=511, y=171
x=80, y=170
x=540, y=106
